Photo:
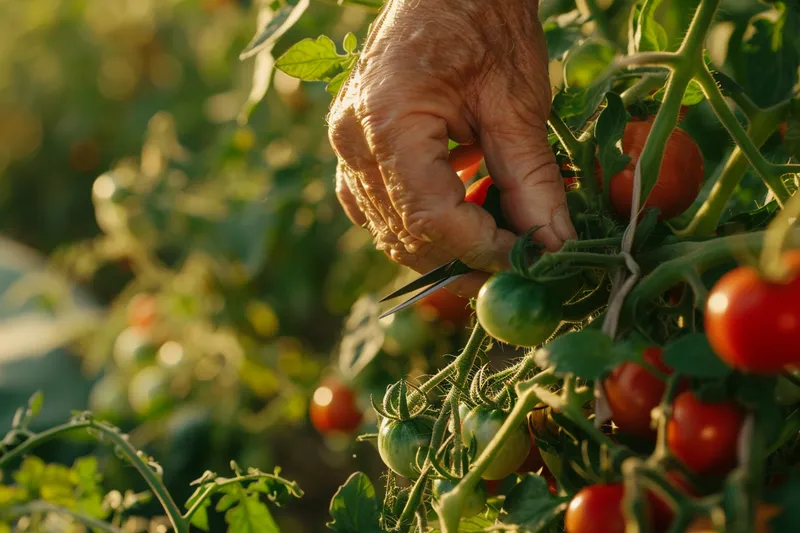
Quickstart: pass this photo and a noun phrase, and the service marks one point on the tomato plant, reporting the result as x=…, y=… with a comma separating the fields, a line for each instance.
x=401, y=441
x=334, y=408
x=704, y=436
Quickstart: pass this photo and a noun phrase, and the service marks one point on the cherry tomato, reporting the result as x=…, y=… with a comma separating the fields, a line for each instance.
x=679, y=181
x=517, y=310
x=133, y=349
x=445, y=306
x=400, y=440
x=466, y=160
x=482, y=424
x=142, y=311
x=474, y=503
x=764, y=514
x=476, y=194
x=596, y=509
x=633, y=392
x=704, y=436
x=334, y=408
x=754, y=324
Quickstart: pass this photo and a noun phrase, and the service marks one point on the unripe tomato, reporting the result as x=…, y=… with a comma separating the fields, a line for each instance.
x=466, y=160
x=633, y=392
x=334, y=408
x=482, y=424
x=754, y=324
x=517, y=310
x=445, y=306
x=596, y=509
x=149, y=391
x=679, y=181
x=400, y=440
x=133, y=349
x=474, y=503
x=704, y=436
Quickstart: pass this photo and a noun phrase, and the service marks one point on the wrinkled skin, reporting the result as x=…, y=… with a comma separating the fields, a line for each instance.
x=431, y=70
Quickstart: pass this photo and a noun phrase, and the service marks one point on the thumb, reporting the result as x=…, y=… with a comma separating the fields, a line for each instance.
x=522, y=164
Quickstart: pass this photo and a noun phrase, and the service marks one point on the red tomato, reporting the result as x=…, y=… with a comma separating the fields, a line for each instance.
x=466, y=160
x=679, y=181
x=334, y=408
x=142, y=310
x=476, y=194
x=445, y=306
x=633, y=392
x=493, y=486
x=661, y=512
x=704, y=436
x=596, y=509
x=754, y=324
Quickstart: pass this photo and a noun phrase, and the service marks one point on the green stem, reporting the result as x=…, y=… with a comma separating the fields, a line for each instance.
x=668, y=60
x=573, y=146
x=642, y=88
x=765, y=169
x=39, y=506
x=130, y=453
x=580, y=151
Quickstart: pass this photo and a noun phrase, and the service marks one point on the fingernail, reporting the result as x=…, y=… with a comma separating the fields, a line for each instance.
x=562, y=224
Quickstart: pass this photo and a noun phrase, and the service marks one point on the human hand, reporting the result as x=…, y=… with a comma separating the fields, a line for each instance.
x=432, y=70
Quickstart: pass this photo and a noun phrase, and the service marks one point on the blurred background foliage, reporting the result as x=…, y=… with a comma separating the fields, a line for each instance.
x=174, y=257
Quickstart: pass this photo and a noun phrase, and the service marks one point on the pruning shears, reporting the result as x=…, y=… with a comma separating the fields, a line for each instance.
x=483, y=193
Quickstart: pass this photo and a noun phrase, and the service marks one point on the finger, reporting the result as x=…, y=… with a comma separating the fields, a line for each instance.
x=347, y=198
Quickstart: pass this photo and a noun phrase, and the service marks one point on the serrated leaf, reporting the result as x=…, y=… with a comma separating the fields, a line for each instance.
x=692, y=96
x=335, y=85
x=313, y=60
x=576, y=105
x=250, y=516
x=279, y=24
x=350, y=43
x=354, y=508
x=588, y=354
x=610, y=128
x=692, y=355
x=560, y=39
x=200, y=516
x=649, y=35
x=531, y=506
x=228, y=499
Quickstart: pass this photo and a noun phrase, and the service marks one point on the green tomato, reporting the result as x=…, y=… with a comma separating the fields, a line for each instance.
x=133, y=349
x=482, y=424
x=474, y=503
x=108, y=399
x=400, y=440
x=149, y=391
x=786, y=392
x=517, y=310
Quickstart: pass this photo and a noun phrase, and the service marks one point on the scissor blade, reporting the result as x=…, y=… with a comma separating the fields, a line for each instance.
x=421, y=295
x=434, y=276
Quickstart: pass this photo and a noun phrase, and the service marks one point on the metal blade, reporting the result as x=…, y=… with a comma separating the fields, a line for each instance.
x=434, y=276
x=422, y=294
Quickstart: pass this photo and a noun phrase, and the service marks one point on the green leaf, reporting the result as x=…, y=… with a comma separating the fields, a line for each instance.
x=200, y=516
x=354, y=508
x=692, y=96
x=649, y=35
x=560, y=38
x=35, y=404
x=576, y=105
x=588, y=354
x=350, y=43
x=531, y=506
x=610, y=127
x=336, y=83
x=250, y=516
x=279, y=24
x=313, y=60
x=727, y=85
x=692, y=355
